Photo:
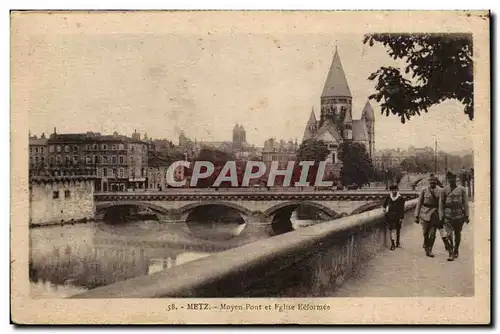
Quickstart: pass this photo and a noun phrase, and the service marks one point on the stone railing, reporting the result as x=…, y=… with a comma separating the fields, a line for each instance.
x=249, y=196
x=310, y=261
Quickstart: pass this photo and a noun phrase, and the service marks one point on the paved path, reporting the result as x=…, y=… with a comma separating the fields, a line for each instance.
x=407, y=272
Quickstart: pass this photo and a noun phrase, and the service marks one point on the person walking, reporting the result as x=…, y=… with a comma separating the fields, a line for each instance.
x=456, y=211
x=394, y=209
x=463, y=177
x=429, y=213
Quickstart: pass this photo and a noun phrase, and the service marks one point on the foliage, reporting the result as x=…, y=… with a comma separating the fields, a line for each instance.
x=357, y=167
x=312, y=150
x=440, y=66
x=217, y=157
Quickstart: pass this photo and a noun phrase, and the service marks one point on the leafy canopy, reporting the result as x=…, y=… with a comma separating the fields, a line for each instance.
x=357, y=167
x=312, y=150
x=440, y=67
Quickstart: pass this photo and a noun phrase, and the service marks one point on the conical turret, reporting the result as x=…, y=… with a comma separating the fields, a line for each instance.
x=311, y=126
x=368, y=113
x=336, y=82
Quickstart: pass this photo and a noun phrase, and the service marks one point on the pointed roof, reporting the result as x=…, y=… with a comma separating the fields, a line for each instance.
x=359, y=132
x=368, y=112
x=336, y=82
x=312, y=118
x=308, y=134
x=330, y=127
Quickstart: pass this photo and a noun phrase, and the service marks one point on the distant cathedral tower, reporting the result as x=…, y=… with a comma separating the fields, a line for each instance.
x=239, y=136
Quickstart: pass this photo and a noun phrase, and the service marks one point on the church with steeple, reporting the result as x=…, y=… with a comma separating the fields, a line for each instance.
x=336, y=124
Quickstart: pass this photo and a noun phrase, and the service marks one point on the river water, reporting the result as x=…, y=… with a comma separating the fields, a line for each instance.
x=71, y=259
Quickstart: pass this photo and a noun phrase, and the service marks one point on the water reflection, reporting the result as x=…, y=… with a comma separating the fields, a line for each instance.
x=67, y=260
x=215, y=222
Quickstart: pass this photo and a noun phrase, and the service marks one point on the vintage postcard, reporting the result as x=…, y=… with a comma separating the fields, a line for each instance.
x=246, y=167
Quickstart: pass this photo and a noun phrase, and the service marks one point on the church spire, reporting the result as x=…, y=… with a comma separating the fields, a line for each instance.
x=312, y=118
x=336, y=82
x=367, y=112
x=311, y=126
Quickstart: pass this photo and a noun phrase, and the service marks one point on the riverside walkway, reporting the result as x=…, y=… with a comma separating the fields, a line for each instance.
x=407, y=272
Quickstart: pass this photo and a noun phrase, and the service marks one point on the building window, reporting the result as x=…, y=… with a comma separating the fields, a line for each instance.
x=75, y=148
x=113, y=159
x=58, y=148
x=88, y=159
x=96, y=159
x=36, y=149
x=115, y=173
x=120, y=173
x=104, y=147
x=104, y=172
x=142, y=172
x=132, y=160
x=67, y=158
x=333, y=157
x=95, y=147
x=113, y=147
x=41, y=149
x=66, y=194
x=51, y=148
x=66, y=149
x=55, y=194
x=122, y=159
x=58, y=159
x=36, y=159
x=98, y=172
x=121, y=146
x=87, y=147
x=104, y=159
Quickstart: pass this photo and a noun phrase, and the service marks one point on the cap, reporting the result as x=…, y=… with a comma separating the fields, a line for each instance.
x=433, y=179
x=451, y=176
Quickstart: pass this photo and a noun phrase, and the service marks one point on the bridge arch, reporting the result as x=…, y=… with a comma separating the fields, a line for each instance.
x=272, y=210
x=367, y=207
x=237, y=207
x=153, y=207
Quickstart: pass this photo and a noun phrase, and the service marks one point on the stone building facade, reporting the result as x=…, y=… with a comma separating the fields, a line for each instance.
x=59, y=199
x=280, y=151
x=118, y=162
x=336, y=123
x=38, y=152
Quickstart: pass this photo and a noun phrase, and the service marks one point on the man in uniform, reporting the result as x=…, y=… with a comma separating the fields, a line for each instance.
x=456, y=211
x=429, y=213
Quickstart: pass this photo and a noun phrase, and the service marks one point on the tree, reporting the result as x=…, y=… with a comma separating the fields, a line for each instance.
x=357, y=167
x=310, y=150
x=440, y=66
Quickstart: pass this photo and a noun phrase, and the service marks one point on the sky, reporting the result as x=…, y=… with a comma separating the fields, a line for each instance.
x=205, y=83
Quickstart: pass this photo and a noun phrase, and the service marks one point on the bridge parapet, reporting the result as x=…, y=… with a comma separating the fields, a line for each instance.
x=248, y=196
x=306, y=262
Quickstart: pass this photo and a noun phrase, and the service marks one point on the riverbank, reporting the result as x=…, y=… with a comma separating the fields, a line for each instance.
x=62, y=222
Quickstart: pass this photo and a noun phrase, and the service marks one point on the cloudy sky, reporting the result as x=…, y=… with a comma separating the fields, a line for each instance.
x=204, y=83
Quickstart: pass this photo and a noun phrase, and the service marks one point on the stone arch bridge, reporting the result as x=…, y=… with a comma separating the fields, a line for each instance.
x=256, y=207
